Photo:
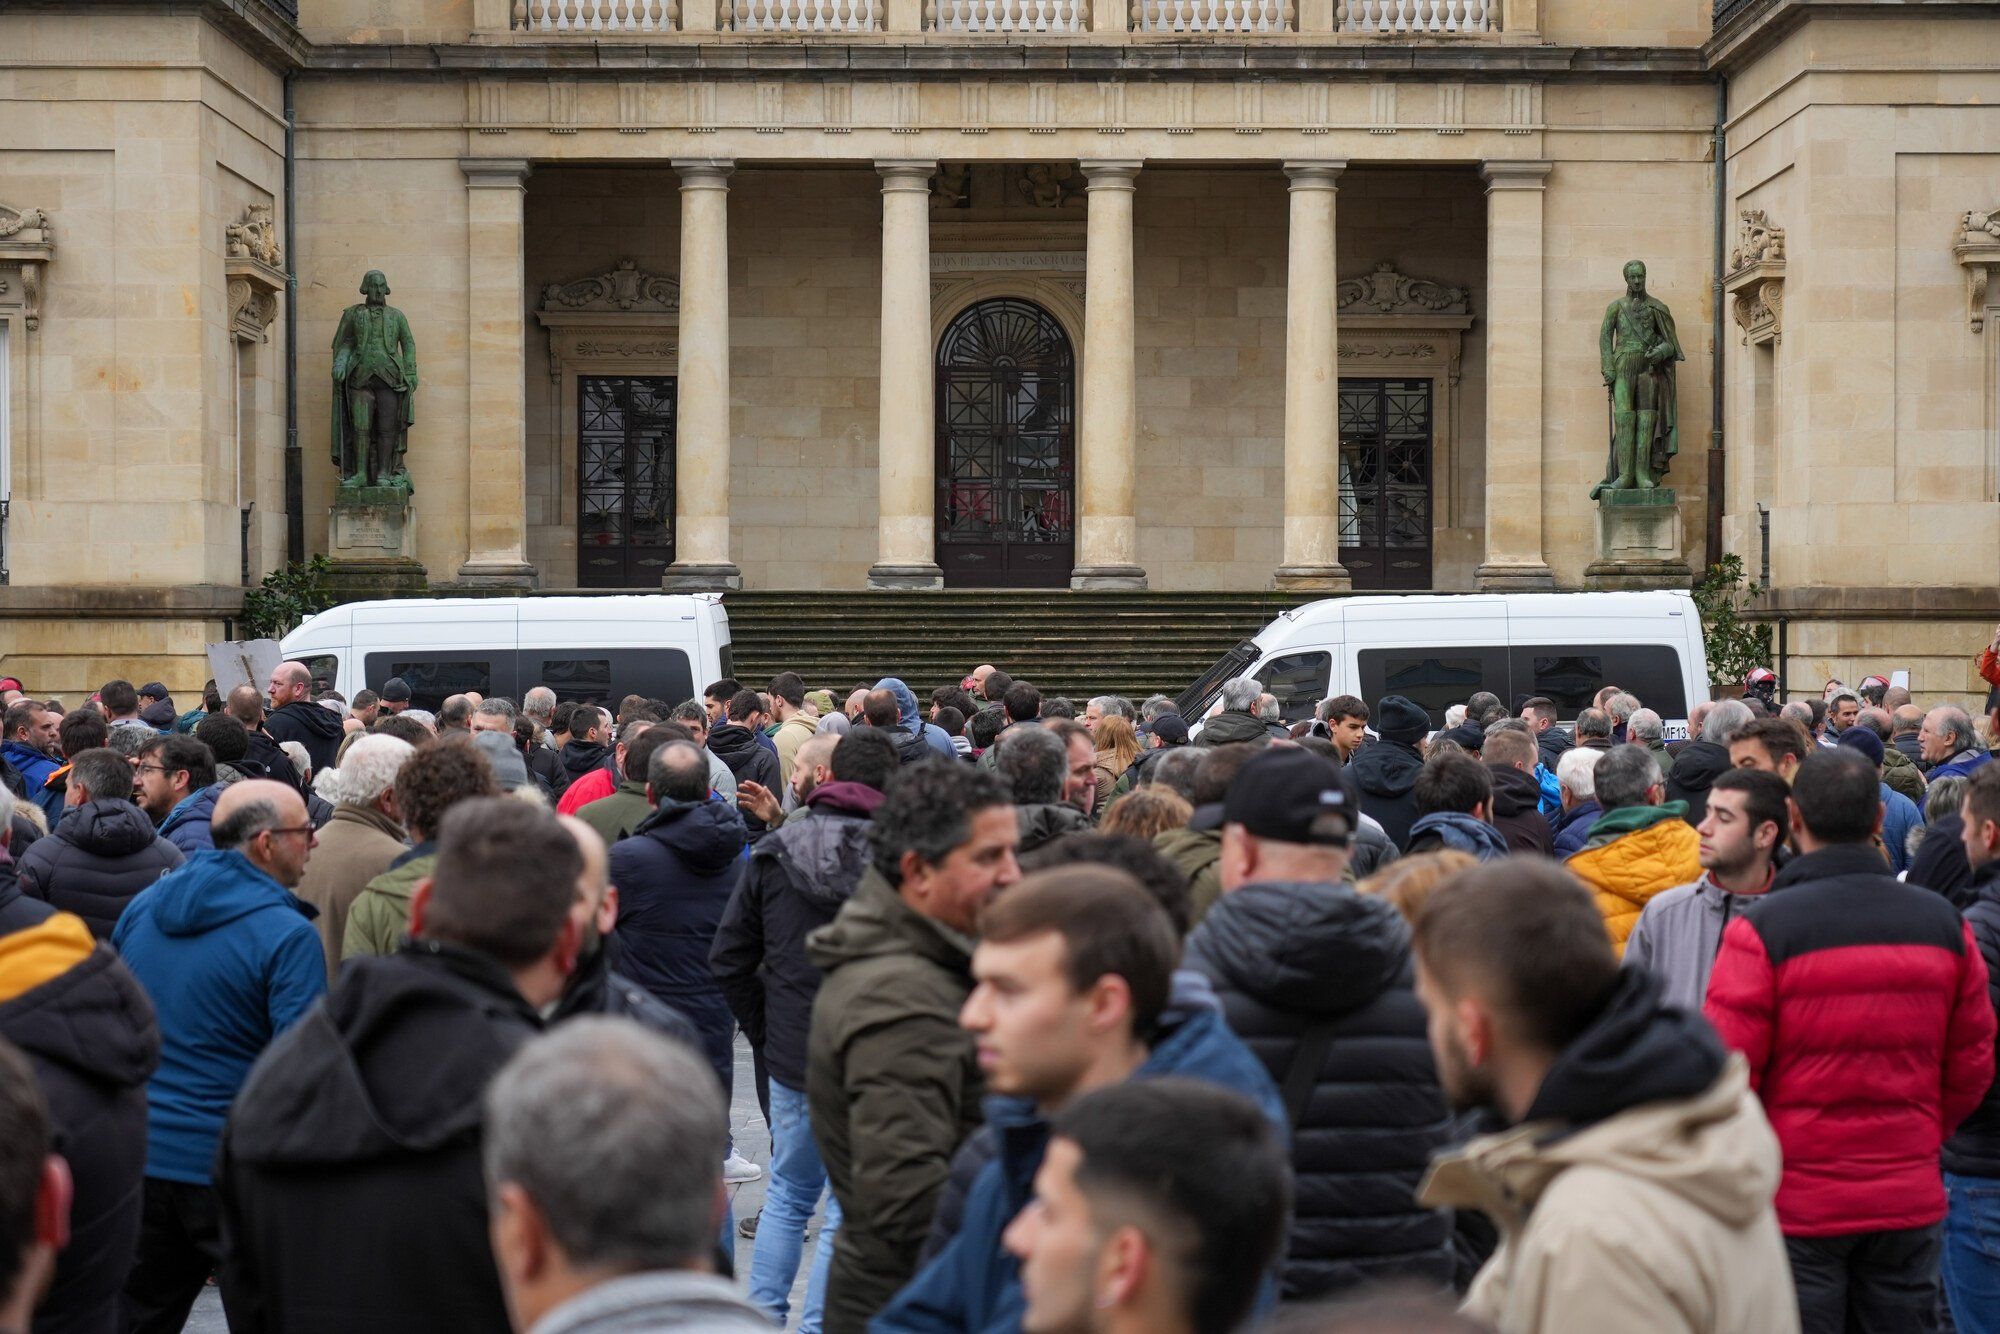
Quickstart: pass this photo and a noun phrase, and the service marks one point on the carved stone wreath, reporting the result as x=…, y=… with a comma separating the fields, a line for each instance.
x=1387, y=292
x=626, y=288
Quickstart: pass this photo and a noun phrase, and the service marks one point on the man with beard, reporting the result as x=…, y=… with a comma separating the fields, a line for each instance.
x=294, y=716
x=1633, y=1188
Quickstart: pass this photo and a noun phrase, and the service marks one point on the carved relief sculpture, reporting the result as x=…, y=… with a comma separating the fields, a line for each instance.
x=1756, y=281
x=1977, y=249
x=256, y=237
x=27, y=242
x=1387, y=292
x=1049, y=185
x=627, y=287
x=253, y=264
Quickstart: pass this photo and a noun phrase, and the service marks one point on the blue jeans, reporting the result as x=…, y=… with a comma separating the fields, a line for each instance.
x=798, y=1180
x=1971, y=1266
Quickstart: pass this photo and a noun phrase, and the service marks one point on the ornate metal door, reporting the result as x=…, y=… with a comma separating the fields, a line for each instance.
x=1385, y=482
x=1006, y=448
x=625, y=483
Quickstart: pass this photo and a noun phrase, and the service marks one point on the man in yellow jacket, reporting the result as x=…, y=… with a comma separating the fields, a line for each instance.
x=1641, y=846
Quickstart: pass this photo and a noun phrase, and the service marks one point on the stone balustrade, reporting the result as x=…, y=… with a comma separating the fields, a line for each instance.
x=1401, y=18
x=1045, y=17
x=804, y=16
x=1212, y=16
x=595, y=18
x=1324, y=20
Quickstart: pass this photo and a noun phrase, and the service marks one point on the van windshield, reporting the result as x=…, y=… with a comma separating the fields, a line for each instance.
x=1197, y=697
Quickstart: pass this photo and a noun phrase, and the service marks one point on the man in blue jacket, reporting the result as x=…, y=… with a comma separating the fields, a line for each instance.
x=230, y=959
x=1073, y=972
x=175, y=784
x=31, y=743
x=908, y=715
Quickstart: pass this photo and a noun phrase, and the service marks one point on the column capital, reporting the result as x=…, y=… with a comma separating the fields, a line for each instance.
x=906, y=173
x=704, y=173
x=1510, y=174
x=1110, y=175
x=1316, y=175
x=495, y=173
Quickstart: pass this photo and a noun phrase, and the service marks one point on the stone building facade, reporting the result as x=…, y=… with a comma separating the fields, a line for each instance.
x=1168, y=294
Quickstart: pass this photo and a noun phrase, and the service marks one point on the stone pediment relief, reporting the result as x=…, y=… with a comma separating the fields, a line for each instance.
x=1385, y=291
x=1756, y=281
x=626, y=289
x=1977, y=250
x=27, y=243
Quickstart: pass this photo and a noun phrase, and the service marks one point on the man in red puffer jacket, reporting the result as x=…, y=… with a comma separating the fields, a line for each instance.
x=1861, y=1005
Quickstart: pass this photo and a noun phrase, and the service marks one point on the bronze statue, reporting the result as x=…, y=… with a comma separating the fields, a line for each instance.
x=375, y=389
x=1637, y=348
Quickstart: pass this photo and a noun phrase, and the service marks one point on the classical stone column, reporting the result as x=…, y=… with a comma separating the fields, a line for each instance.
x=701, y=453
x=906, y=463
x=1514, y=562
x=497, y=420
x=1106, y=531
x=1312, y=387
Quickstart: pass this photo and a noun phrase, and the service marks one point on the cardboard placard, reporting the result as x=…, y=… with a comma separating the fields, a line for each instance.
x=248, y=662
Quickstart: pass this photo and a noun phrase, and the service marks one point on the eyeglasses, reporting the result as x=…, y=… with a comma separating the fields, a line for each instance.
x=289, y=829
x=155, y=769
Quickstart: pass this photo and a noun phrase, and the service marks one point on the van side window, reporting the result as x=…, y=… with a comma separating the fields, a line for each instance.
x=608, y=675
x=1571, y=675
x=1298, y=681
x=1437, y=681
x=433, y=680
x=582, y=680
x=325, y=669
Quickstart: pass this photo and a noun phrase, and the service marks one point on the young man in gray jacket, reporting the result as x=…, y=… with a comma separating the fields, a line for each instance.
x=1679, y=932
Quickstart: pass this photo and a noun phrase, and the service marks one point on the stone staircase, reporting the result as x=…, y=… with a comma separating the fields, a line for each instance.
x=1070, y=644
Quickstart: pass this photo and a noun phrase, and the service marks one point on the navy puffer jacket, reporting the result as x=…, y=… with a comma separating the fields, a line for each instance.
x=102, y=854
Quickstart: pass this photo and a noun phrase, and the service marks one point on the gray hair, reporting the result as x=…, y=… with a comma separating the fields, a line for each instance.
x=1799, y=712
x=103, y=773
x=1624, y=776
x=369, y=767
x=129, y=741
x=1593, y=722
x=1577, y=771
x=1240, y=695
x=539, y=704
x=1725, y=720
x=295, y=751
x=424, y=718
x=617, y=1134
x=1877, y=721
x=244, y=823
x=1033, y=761
x=1175, y=770
x=496, y=708
x=1621, y=707
x=1948, y=720
x=1645, y=723
x=1944, y=796
x=1155, y=705
x=1110, y=704
x=1267, y=708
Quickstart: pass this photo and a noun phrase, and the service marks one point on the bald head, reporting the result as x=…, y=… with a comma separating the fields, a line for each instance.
x=267, y=823
x=290, y=682
x=246, y=706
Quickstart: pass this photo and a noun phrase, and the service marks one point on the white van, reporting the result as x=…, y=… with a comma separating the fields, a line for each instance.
x=1438, y=650
x=600, y=649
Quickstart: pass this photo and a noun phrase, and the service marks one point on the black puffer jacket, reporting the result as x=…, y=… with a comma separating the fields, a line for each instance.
x=1285, y=956
x=738, y=747
x=1517, y=810
x=1696, y=768
x=102, y=854
x=90, y=1035
x=316, y=728
x=1974, y=1150
x=1386, y=771
x=794, y=883
x=578, y=758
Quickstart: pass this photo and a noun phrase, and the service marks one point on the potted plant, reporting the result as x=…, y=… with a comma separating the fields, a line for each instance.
x=1733, y=645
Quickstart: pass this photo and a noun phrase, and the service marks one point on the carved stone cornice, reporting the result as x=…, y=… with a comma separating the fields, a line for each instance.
x=1384, y=291
x=27, y=243
x=1756, y=280
x=623, y=316
x=252, y=266
x=1978, y=251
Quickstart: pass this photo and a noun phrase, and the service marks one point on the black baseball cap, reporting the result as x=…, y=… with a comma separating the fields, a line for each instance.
x=1169, y=727
x=396, y=690
x=1289, y=795
x=152, y=690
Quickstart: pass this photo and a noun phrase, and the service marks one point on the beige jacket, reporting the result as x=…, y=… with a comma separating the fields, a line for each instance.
x=1655, y=1221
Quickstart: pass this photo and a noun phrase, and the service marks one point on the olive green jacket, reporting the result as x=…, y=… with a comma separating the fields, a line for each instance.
x=617, y=815
x=1902, y=775
x=1196, y=852
x=380, y=917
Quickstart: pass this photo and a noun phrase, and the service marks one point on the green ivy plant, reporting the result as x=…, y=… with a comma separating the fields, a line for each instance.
x=288, y=596
x=1733, y=644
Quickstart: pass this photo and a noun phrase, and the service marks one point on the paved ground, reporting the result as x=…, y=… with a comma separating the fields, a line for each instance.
x=752, y=1140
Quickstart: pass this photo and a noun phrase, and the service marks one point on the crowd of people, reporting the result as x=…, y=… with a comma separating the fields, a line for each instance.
x=1065, y=1015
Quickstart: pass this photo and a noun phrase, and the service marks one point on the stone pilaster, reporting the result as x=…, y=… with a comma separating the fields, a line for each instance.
x=701, y=467
x=1311, y=552
x=1514, y=562
x=906, y=467
x=1106, y=530
x=497, y=457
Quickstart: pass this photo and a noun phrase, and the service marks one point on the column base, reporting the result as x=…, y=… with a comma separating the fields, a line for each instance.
x=701, y=577
x=1312, y=579
x=1107, y=579
x=1636, y=575
x=505, y=575
x=923, y=575
x=1508, y=578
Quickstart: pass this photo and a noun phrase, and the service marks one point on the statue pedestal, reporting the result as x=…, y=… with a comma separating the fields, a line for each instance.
x=371, y=542
x=1638, y=541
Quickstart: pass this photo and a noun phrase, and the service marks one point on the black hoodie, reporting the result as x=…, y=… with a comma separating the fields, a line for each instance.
x=1385, y=771
x=1696, y=768
x=1283, y=958
x=1517, y=810
x=349, y=1173
x=316, y=728
x=736, y=746
x=1638, y=1049
x=90, y=1035
x=578, y=758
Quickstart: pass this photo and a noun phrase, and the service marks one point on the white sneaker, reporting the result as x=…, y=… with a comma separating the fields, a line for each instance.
x=736, y=1169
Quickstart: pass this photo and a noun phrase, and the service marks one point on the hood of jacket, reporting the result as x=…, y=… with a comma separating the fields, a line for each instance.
x=160, y=715
x=1631, y=819
x=578, y=758
x=731, y=740
x=107, y=828
x=1462, y=833
x=1638, y=1049
x=1193, y=850
x=1047, y=821
x=1234, y=725
x=323, y=723
x=856, y=799
x=196, y=805
x=1303, y=947
x=1386, y=768
x=705, y=835
x=214, y=887
x=397, y=1060
x=28, y=760
x=1699, y=764
x=1514, y=792
x=906, y=702
x=823, y=857
x=66, y=999
x=875, y=923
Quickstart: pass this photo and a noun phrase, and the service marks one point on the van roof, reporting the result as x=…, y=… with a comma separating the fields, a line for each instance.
x=613, y=606
x=1656, y=602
